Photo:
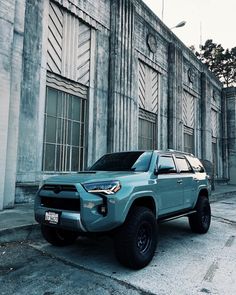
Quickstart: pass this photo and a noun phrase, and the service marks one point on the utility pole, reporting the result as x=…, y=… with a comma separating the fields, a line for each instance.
x=163, y=8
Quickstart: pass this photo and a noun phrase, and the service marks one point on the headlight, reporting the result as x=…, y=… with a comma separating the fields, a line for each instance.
x=105, y=187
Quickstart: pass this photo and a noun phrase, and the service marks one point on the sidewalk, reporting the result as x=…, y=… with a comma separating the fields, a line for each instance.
x=18, y=224
x=223, y=191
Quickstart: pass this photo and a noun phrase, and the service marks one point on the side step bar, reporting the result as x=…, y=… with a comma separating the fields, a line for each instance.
x=162, y=220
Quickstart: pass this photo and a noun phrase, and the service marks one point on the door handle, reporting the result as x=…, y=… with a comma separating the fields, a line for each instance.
x=180, y=181
x=195, y=179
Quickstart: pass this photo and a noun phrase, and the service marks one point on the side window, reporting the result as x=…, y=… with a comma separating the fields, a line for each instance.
x=166, y=165
x=183, y=165
x=196, y=164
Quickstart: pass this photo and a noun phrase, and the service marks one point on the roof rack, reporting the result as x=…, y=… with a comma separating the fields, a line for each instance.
x=180, y=152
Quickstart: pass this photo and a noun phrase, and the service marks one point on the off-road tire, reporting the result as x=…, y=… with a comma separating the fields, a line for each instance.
x=58, y=237
x=136, y=239
x=200, y=221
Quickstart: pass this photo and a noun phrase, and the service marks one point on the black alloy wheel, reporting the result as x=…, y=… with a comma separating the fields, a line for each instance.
x=136, y=239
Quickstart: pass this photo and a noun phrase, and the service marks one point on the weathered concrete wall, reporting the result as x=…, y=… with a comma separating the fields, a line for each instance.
x=157, y=60
x=180, y=73
x=11, y=47
x=27, y=168
x=230, y=97
x=124, y=34
x=30, y=150
x=6, y=38
x=98, y=98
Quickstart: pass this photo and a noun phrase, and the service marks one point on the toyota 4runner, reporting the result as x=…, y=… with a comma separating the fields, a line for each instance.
x=126, y=194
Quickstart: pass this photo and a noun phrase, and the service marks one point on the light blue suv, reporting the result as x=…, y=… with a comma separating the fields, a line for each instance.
x=126, y=194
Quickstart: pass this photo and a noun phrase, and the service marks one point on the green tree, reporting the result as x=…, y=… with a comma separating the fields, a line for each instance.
x=219, y=61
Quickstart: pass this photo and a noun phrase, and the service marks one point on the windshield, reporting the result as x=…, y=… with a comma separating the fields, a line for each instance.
x=125, y=161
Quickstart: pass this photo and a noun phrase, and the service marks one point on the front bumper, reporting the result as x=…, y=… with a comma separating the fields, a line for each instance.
x=86, y=217
x=68, y=220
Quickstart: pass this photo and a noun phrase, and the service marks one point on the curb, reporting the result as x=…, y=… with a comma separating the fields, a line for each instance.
x=220, y=196
x=20, y=233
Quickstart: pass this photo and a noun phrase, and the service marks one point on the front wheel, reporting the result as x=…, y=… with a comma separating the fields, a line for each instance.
x=57, y=236
x=136, y=240
x=200, y=221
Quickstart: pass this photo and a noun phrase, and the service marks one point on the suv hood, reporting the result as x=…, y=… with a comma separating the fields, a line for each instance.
x=92, y=176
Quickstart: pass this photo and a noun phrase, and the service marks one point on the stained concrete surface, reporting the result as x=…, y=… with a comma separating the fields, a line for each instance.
x=184, y=263
x=26, y=271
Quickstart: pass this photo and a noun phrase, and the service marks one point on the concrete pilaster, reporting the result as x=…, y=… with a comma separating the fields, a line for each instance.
x=179, y=100
x=225, y=152
x=123, y=107
x=230, y=95
x=7, y=11
x=16, y=70
x=29, y=119
x=206, y=120
x=172, y=97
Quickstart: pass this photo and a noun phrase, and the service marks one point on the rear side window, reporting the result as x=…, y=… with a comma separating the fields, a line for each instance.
x=183, y=165
x=196, y=164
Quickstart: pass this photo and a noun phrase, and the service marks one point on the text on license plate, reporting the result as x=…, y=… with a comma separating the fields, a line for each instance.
x=52, y=217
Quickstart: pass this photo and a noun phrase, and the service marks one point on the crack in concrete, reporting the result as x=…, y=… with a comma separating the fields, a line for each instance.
x=67, y=262
x=224, y=220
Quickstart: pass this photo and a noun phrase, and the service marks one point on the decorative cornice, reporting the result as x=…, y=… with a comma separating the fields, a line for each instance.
x=57, y=82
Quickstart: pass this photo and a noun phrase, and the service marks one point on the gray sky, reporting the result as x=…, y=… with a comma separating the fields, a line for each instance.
x=217, y=18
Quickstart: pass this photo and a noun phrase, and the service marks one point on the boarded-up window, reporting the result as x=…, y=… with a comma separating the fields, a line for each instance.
x=69, y=45
x=189, y=122
x=148, y=90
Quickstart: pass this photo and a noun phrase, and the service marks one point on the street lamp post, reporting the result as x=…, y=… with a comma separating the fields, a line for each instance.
x=163, y=8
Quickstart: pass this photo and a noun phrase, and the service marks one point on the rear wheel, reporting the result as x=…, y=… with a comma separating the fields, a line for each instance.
x=136, y=240
x=57, y=236
x=201, y=220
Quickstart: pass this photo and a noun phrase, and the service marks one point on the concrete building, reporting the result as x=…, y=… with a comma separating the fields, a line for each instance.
x=80, y=78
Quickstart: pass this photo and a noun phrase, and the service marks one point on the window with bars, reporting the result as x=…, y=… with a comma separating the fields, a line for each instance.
x=147, y=130
x=188, y=140
x=64, y=132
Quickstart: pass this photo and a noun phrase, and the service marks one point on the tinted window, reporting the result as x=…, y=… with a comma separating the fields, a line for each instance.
x=183, y=165
x=196, y=164
x=166, y=161
x=126, y=161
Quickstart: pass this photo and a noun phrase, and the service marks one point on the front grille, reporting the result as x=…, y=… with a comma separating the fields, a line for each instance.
x=59, y=187
x=61, y=203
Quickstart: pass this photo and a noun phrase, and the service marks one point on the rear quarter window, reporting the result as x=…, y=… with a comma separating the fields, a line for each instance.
x=196, y=164
x=183, y=165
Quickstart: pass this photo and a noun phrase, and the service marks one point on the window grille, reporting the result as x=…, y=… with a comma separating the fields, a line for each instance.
x=147, y=130
x=188, y=140
x=64, y=132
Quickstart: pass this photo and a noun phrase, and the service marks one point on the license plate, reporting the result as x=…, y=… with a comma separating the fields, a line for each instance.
x=52, y=217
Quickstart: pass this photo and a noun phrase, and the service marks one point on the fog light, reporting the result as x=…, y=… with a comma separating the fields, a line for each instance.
x=102, y=209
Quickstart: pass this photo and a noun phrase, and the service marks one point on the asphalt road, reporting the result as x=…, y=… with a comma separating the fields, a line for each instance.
x=184, y=263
